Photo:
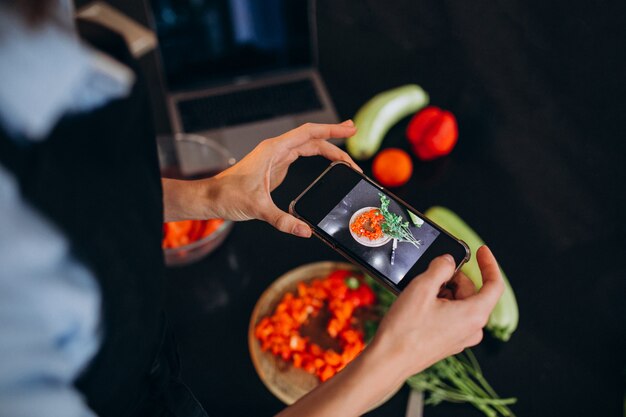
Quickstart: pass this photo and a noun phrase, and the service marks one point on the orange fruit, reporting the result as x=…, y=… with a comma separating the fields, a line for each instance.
x=392, y=167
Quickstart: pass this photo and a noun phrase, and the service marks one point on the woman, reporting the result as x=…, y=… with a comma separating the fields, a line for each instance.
x=83, y=332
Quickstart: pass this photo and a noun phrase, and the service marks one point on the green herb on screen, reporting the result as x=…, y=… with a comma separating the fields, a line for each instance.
x=394, y=225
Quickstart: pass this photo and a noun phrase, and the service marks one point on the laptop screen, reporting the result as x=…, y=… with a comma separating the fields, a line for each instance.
x=209, y=42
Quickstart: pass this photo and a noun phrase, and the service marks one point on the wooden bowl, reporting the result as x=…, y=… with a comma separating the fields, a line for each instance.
x=285, y=381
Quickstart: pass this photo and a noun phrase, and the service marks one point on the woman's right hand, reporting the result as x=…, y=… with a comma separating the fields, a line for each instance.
x=422, y=327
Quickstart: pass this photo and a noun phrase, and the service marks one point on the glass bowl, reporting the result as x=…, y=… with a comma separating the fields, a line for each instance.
x=187, y=156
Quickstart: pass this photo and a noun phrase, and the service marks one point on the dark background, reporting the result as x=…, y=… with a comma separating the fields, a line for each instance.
x=199, y=41
x=538, y=89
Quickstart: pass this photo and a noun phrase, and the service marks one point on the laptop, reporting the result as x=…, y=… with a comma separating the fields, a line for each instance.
x=240, y=71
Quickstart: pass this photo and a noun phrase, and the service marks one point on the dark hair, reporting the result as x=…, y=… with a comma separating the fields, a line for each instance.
x=34, y=12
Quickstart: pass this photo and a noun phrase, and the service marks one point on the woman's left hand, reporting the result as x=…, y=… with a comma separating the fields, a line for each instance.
x=242, y=192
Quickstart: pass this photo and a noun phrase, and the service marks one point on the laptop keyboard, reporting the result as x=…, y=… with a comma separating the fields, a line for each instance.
x=248, y=106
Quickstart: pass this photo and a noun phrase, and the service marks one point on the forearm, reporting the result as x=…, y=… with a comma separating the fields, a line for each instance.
x=186, y=200
x=356, y=389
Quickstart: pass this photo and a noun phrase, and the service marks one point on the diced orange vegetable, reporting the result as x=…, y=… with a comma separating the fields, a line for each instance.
x=327, y=373
x=297, y=343
x=280, y=332
x=315, y=350
x=176, y=234
x=297, y=360
x=369, y=225
x=310, y=368
x=302, y=289
x=332, y=358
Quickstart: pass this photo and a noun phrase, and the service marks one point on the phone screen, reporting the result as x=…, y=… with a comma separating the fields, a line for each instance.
x=366, y=222
x=371, y=226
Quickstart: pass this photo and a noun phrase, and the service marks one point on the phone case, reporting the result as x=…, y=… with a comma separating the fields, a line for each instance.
x=361, y=265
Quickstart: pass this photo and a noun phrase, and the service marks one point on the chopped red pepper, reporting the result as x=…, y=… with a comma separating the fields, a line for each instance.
x=433, y=133
x=280, y=332
x=184, y=232
x=365, y=295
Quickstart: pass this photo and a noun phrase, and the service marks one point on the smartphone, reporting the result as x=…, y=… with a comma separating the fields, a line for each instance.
x=372, y=227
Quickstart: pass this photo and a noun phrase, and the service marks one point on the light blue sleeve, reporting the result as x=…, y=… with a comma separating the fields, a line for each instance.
x=49, y=314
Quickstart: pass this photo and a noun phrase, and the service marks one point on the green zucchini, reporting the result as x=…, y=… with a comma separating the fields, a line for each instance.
x=505, y=316
x=379, y=114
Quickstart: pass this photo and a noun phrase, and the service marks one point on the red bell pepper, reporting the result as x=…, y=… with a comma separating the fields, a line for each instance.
x=361, y=296
x=433, y=133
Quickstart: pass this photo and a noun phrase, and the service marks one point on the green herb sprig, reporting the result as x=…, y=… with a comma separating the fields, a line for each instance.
x=394, y=225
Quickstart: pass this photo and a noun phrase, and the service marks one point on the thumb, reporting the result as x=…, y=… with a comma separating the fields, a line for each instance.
x=438, y=273
x=286, y=223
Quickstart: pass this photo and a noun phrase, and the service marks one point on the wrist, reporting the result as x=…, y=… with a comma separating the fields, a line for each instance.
x=383, y=357
x=207, y=197
x=188, y=200
x=400, y=359
x=359, y=387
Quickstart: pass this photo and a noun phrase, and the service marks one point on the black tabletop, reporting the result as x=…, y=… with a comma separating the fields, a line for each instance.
x=537, y=172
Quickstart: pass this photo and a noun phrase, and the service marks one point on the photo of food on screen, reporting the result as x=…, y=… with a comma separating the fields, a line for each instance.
x=379, y=230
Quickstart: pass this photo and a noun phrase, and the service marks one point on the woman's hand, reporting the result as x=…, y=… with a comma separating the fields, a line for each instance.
x=242, y=192
x=420, y=329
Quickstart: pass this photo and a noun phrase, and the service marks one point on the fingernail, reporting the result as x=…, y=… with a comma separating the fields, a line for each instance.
x=348, y=122
x=449, y=258
x=303, y=231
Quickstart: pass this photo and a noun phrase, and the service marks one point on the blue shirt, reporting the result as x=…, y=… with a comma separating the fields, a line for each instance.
x=49, y=302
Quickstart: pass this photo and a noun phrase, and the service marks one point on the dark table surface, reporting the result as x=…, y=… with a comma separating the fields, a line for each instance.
x=538, y=172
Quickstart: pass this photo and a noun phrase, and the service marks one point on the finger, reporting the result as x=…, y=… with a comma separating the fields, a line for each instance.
x=464, y=287
x=475, y=338
x=309, y=131
x=285, y=222
x=348, y=122
x=328, y=151
x=446, y=292
x=493, y=284
x=439, y=271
